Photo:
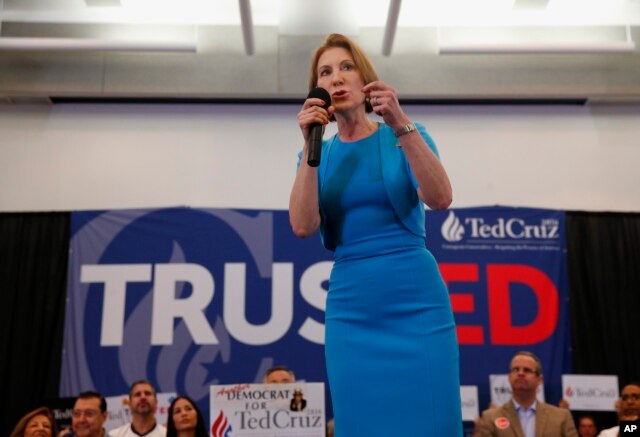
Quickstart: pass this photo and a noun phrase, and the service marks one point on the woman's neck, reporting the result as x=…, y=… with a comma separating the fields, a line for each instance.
x=355, y=126
x=188, y=433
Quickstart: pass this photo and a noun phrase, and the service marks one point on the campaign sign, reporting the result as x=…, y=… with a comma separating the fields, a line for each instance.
x=188, y=298
x=501, y=390
x=590, y=392
x=505, y=269
x=469, y=398
x=268, y=410
x=118, y=412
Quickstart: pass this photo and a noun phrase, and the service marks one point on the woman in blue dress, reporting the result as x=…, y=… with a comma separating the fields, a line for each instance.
x=390, y=344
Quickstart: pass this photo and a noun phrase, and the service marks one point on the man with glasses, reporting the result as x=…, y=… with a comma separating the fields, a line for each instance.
x=88, y=416
x=524, y=415
x=629, y=408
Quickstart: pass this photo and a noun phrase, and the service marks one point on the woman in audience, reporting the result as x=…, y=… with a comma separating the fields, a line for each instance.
x=185, y=419
x=37, y=423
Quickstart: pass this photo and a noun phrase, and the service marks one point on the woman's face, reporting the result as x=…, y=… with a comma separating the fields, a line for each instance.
x=338, y=74
x=184, y=415
x=38, y=426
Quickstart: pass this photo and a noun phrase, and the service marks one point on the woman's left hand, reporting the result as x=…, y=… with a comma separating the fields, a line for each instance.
x=385, y=103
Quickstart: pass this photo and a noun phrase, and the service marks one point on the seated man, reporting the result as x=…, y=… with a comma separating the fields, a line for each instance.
x=629, y=407
x=88, y=416
x=524, y=415
x=142, y=403
x=587, y=426
x=278, y=375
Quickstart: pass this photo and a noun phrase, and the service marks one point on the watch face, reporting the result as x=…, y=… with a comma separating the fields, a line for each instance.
x=405, y=129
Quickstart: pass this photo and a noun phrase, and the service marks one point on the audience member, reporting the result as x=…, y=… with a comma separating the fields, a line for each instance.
x=185, y=419
x=88, y=416
x=629, y=408
x=36, y=423
x=587, y=426
x=524, y=415
x=142, y=403
x=278, y=375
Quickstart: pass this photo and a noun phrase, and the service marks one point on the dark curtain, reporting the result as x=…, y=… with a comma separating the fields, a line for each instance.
x=33, y=268
x=603, y=255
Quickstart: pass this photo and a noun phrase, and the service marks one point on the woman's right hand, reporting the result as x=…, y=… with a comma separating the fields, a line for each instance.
x=312, y=112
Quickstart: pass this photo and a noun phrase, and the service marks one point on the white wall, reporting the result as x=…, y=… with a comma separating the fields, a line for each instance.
x=68, y=157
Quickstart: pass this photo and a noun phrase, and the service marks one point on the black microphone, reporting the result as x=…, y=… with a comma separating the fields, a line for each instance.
x=315, y=134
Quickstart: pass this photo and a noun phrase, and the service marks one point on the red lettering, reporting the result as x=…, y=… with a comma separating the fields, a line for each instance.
x=499, y=277
x=463, y=302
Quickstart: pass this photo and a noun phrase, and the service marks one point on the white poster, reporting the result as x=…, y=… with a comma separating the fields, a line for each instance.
x=590, y=392
x=268, y=410
x=469, y=398
x=119, y=413
x=501, y=389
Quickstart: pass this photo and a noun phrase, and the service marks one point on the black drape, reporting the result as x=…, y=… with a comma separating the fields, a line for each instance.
x=603, y=255
x=604, y=276
x=33, y=268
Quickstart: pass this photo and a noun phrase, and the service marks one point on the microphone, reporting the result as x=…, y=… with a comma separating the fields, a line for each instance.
x=315, y=135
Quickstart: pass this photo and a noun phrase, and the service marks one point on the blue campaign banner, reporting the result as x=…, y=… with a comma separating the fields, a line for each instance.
x=188, y=298
x=505, y=269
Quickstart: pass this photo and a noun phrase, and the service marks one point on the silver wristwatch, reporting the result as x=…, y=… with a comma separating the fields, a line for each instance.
x=406, y=129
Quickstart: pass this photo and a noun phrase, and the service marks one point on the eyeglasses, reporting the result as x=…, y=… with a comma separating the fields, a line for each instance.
x=525, y=370
x=89, y=414
x=633, y=396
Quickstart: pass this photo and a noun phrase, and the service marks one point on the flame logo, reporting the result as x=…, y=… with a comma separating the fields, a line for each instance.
x=452, y=230
x=568, y=392
x=221, y=426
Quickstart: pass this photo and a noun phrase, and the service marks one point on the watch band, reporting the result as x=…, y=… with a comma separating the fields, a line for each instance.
x=405, y=129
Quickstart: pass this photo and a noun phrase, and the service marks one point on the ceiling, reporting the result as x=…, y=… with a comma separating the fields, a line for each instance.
x=431, y=51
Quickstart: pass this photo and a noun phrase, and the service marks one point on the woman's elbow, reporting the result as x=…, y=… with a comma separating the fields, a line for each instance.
x=443, y=203
x=303, y=230
x=440, y=201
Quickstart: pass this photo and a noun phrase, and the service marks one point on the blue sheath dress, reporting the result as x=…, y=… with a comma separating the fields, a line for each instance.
x=391, y=350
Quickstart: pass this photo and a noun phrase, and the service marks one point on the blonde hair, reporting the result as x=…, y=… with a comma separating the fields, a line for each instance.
x=19, y=429
x=360, y=58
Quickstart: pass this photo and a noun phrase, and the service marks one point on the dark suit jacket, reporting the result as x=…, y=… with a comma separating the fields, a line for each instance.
x=550, y=422
x=294, y=407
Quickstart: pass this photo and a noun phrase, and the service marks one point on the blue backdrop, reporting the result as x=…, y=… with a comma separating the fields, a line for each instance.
x=192, y=297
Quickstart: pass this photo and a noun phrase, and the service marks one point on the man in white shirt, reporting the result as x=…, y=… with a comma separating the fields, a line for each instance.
x=142, y=403
x=629, y=407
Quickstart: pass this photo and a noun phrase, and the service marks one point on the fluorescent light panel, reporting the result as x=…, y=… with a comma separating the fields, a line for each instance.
x=535, y=39
x=82, y=44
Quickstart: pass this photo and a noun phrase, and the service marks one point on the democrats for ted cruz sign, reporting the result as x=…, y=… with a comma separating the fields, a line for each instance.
x=190, y=298
x=505, y=269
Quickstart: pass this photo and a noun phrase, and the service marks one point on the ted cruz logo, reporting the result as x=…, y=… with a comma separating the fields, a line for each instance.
x=503, y=229
x=452, y=230
x=221, y=426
